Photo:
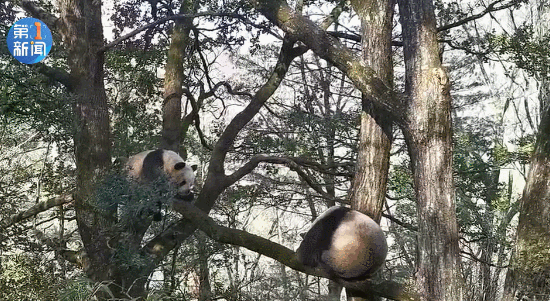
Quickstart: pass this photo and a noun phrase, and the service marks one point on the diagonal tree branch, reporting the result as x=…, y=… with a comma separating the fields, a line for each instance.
x=290, y=162
x=282, y=254
x=216, y=180
x=56, y=74
x=332, y=50
x=34, y=210
x=39, y=13
x=286, y=56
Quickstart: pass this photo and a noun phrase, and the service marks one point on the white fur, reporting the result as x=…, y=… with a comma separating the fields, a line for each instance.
x=169, y=158
x=357, y=245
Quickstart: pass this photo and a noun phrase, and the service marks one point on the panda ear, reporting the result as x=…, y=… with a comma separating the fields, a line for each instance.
x=194, y=167
x=179, y=165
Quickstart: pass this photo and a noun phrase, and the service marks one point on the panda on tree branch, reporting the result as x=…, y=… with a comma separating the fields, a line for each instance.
x=344, y=243
x=149, y=166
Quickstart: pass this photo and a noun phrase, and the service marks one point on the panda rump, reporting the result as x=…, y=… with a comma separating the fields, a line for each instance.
x=344, y=243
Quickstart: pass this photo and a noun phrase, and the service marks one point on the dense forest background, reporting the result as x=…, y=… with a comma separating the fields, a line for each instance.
x=432, y=117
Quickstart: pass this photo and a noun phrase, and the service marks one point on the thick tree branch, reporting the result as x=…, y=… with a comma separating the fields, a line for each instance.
x=56, y=74
x=332, y=50
x=282, y=254
x=39, y=13
x=216, y=181
x=400, y=222
x=241, y=238
x=34, y=210
x=286, y=56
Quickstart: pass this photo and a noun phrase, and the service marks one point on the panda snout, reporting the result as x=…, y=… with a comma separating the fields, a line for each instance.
x=187, y=197
x=184, y=190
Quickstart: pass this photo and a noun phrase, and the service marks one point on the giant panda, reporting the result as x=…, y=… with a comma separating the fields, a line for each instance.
x=148, y=166
x=345, y=244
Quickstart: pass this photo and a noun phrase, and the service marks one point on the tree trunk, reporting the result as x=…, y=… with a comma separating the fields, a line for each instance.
x=426, y=123
x=205, y=290
x=375, y=135
x=428, y=134
x=528, y=275
x=102, y=238
x=82, y=32
x=172, y=135
x=373, y=151
x=529, y=271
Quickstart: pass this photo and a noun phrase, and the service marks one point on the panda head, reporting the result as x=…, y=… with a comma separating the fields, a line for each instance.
x=148, y=166
x=184, y=178
x=344, y=243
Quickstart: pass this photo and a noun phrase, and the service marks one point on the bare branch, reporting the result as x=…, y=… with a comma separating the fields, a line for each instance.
x=253, y=163
x=332, y=50
x=175, y=17
x=400, y=222
x=34, y=210
x=473, y=257
x=344, y=35
x=490, y=8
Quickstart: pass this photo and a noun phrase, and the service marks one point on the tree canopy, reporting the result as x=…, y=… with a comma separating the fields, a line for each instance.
x=430, y=116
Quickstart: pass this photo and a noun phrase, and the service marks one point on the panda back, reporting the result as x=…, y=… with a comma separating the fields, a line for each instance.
x=153, y=165
x=319, y=237
x=358, y=247
x=134, y=165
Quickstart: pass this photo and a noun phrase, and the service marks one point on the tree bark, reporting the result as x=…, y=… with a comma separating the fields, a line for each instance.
x=423, y=113
x=82, y=33
x=528, y=275
x=373, y=151
x=375, y=135
x=428, y=135
x=172, y=134
x=332, y=50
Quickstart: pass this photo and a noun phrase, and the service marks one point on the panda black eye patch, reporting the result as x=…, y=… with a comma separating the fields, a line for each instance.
x=183, y=183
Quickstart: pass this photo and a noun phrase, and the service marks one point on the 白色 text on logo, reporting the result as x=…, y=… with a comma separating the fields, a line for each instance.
x=29, y=40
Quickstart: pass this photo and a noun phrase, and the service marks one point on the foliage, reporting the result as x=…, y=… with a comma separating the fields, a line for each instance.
x=526, y=49
x=24, y=277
